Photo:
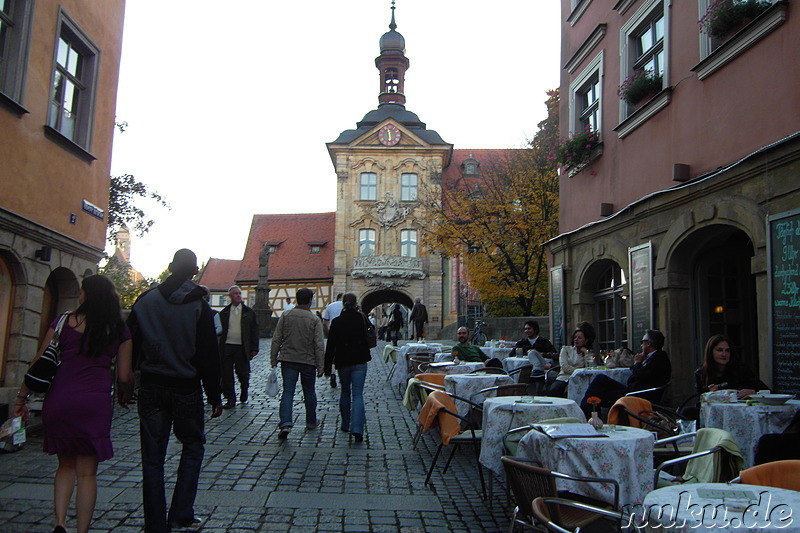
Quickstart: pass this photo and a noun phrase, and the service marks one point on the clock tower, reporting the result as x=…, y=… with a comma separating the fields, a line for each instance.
x=386, y=168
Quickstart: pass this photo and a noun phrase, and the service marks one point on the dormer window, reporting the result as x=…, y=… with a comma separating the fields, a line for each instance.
x=272, y=249
x=315, y=248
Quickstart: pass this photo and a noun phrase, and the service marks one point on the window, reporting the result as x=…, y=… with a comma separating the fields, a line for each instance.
x=391, y=80
x=315, y=249
x=643, y=45
x=366, y=242
x=369, y=186
x=408, y=187
x=15, y=21
x=272, y=249
x=408, y=243
x=585, y=94
x=74, y=84
x=612, y=313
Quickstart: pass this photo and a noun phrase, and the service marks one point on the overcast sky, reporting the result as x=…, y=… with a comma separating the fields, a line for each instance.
x=230, y=105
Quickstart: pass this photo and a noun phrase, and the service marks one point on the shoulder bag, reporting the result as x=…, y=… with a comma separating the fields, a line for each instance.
x=39, y=377
x=369, y=332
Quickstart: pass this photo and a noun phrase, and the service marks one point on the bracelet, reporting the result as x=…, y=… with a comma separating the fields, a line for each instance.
x=25, y=397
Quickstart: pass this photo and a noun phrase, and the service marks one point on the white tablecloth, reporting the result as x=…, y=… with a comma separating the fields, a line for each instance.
x=513, y=363
x=746, y=423
x=626, y=455
x=681, y=508
x=465, y=385
x=580, y=379
x=461, y=368
x=401, y=374
x=503, y=413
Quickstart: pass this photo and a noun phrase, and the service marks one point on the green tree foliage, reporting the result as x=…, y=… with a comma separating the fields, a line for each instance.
x=497, y=223
x=121, y=276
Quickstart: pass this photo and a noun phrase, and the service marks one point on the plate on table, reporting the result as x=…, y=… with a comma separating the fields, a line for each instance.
x=772, y=399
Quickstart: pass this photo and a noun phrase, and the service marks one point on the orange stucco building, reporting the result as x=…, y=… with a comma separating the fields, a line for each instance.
x=673, y=222
x=58, y=83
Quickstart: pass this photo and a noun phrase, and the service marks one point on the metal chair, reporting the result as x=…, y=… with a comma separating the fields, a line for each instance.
x=489, y=370
x=724, y=467
x=778, y=474
x=529, y=481
x=652, y=394
x=523, y=373
x=555, y=514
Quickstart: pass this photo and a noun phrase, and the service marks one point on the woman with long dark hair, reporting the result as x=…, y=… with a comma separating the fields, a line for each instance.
x=77, y=410
x=722, y=370
x=573, y=357
x=347, y=350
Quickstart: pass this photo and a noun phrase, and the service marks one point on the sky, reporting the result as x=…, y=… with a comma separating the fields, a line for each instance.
x=229, y=105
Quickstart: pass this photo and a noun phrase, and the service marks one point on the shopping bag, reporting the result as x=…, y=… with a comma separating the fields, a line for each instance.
x=272, y=383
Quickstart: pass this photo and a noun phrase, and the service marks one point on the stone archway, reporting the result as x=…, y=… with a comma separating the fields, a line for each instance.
x=60, y=295
x=384, y=296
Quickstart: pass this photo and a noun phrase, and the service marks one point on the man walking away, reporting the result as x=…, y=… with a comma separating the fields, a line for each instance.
x=419, y=316
x=237, y=345
x=298, y=345
x=175, y=342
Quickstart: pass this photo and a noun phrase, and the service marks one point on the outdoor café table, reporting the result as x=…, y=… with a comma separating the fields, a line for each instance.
x=502, y=413
x=747, y=423
x=580, y=379
x=465, y=385
x=512, y=363
x=625, y=455
x=720, y=507
x=460, y=368
x=400, y=376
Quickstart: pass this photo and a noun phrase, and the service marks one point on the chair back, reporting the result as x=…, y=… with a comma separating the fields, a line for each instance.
x=779, y=474
x=524, y=374
x=489, y=370
x=528, y=481
x=512, y=389
x=653, y=394
x=718, y=467
x=619, y=413
x=417, y=359
x=434, y=413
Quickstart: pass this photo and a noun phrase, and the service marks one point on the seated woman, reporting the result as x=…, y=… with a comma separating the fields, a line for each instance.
x=573, y=357
x=721, y=370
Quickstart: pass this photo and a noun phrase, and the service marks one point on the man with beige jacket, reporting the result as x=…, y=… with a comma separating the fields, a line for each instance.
x=298, y=345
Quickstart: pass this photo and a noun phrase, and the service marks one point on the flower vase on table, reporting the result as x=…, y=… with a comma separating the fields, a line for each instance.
x=595, y=421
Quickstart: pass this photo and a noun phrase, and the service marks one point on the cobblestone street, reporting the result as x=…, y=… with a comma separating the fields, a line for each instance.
x=316, y=481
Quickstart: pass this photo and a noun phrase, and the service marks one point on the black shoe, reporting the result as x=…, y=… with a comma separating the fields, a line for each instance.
x=192, y=524
x=358, y=437
x=333, y=380
x=59, y=529
x=313, y=426
x=284, y=433
x=229, y=405
x=243, y=397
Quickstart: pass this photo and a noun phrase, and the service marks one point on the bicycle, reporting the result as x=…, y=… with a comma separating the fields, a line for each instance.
x=478, y=336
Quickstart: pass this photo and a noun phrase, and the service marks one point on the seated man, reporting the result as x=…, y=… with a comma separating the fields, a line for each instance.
x=470, y=353
x=535, y=344
x=651, y=368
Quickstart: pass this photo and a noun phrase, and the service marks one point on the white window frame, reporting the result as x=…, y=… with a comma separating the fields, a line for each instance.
x=368, y=191
x=408, y=190
x=366, y=238
x=16, y=42
x=79, y=129
x=409, y=243
x=594, y=68
x=641, y=17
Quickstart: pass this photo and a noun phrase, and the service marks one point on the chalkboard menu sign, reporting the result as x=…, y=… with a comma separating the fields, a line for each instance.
x=641, y=292
x=783, y=233
x=557, y=305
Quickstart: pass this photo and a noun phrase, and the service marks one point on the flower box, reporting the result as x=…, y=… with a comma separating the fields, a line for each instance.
x=724, y=18
x=577, y=151
x=640, y=86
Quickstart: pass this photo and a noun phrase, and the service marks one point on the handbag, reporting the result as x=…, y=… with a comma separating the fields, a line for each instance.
x=39, y=377
x=369, y=332
x=662, y=423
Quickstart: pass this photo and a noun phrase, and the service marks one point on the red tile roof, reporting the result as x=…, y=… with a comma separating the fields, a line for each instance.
x=294, y=235
x=219, y=274
x=484, y=156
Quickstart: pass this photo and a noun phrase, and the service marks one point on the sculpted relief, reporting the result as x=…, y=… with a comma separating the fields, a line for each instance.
x=387, y=271
x=389, y=212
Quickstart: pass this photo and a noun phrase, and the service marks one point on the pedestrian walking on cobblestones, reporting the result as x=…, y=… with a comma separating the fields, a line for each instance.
x=238, y=344
x=299, y=346
x=77, y=410
x=348, y=351
x=174, y=340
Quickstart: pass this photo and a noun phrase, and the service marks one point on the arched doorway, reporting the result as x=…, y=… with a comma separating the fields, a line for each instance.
x=376, y=298
x=60, y=295
x=6, y=305
x=605, y=282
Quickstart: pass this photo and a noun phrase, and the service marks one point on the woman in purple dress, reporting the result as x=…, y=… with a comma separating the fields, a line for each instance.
x=77, y=410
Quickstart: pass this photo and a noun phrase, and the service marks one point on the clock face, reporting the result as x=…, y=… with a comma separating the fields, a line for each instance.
x=389, y=135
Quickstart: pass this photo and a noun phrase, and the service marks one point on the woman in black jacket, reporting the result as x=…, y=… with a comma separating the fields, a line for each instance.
x=347, y=350
x=721, y=370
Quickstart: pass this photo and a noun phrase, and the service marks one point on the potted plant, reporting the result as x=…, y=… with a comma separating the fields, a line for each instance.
x=725, y=17
x=640, y=86
x=576, y=151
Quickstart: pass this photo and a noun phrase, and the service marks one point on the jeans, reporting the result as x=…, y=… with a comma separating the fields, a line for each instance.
x=308, y=376
x=160, y=410
x=351, y=401
x=233, y=357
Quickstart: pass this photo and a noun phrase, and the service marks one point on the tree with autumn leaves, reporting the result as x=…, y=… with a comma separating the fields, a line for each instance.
x=497, y=222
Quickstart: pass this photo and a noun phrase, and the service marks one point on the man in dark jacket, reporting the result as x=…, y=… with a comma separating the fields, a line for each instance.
x=651, y=368
x=532, y=341
x=419, y=316
x=396, y=322
x=175, y=343
x=237, y=345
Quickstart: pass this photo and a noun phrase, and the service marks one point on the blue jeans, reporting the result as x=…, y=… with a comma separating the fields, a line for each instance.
x=308, y=377
x=162, y=409
x=351, y=401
